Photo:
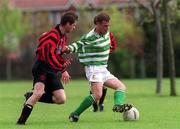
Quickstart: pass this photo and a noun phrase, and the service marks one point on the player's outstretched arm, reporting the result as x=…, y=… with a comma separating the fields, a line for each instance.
x=66, y=50
x=77, y=46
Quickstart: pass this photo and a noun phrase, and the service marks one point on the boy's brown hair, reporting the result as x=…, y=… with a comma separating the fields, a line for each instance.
x=101, y=17
x=70, y=17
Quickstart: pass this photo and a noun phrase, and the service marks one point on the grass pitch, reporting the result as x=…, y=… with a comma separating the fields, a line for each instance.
x=156, y=112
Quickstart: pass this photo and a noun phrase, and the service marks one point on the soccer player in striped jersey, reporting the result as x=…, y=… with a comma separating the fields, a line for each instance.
x=50, y=67
x=93, y=52
x=99, y=106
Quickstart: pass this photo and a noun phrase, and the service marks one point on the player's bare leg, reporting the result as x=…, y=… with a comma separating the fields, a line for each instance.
x=28, y=106
x=96, y=88
x=100, y=105
x=95, y=105
x=59, y=96
x=119, y=95
x=101, y=101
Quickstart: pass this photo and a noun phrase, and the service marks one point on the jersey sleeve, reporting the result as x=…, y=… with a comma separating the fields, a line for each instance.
x=76, y=46
x=113, y=42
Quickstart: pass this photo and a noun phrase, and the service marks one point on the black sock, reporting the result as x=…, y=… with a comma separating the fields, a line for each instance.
x=28, y=95
x=46, y=98
x=26, y=111
x=101, y=101
x=95, y=106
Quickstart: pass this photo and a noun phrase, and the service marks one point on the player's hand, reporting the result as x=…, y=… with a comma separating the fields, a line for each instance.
x=65, y=77
x=65, y=50
x=67, y=63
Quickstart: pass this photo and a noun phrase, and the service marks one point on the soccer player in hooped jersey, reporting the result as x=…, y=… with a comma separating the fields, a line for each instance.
x=49, y=64
x=99, y=106
x=93, y=50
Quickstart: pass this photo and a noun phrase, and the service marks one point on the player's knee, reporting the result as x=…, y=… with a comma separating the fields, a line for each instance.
x=60, y=100
x=121, y=87
x=38, y=94
x=38, y=90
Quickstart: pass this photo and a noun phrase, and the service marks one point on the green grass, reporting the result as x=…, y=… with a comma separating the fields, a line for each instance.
x=156, y=112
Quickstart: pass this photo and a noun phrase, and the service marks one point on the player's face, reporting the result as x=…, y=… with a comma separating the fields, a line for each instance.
x=70, y=27
x=103, y=27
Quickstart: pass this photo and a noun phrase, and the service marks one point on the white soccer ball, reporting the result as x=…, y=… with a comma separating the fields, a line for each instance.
x=131, y=115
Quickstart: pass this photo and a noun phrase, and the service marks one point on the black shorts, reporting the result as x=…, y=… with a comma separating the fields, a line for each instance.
x=42, y=73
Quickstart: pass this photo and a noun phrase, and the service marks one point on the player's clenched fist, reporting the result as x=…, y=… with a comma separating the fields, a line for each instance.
x=65, y=50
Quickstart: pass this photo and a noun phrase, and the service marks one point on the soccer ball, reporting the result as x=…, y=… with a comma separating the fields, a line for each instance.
x=131, y=115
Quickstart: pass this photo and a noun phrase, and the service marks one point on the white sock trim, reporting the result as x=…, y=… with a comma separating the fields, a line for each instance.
x=93, y=97
x=119, y=90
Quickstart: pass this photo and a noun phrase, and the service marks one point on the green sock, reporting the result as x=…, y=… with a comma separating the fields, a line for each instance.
x=119, y=97
x=87, y=102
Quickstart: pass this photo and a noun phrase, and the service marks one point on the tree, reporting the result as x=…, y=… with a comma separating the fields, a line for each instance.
x=120, y=26
x=154, y=9
x=169, y=41
x=129, y=37
x=11, y=30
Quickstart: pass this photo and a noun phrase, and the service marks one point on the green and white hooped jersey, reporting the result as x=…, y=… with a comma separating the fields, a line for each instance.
x=92, y=49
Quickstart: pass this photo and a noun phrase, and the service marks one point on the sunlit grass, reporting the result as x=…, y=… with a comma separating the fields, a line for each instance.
x=156, y=111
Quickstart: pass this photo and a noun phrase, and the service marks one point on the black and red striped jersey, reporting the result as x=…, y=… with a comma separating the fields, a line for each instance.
x=49, y=49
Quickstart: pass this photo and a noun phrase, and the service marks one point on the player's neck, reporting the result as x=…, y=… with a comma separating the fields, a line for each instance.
x=62, y=29
x=97, y=31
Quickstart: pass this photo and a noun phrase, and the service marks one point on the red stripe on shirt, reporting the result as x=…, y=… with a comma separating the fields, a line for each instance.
x=113, y=42
x=46, y=50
